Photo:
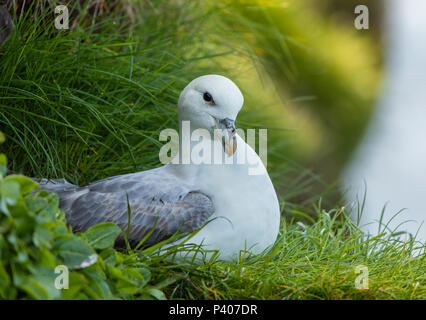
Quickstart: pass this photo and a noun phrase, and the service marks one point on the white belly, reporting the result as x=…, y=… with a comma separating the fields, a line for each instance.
x=247, y=214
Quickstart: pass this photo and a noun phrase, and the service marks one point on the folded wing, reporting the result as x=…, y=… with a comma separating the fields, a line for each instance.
x=153, y=198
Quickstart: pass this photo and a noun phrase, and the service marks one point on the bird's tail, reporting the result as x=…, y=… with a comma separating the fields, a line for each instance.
x=52, y=185
x=66, y=191
x=58, y=186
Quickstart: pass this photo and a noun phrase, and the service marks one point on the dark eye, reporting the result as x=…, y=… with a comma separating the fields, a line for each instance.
x=207, y=97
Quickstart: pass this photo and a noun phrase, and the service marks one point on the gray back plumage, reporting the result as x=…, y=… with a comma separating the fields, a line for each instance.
x=154, y=197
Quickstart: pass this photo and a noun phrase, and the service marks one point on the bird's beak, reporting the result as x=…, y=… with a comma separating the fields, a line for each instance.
x=229, y=141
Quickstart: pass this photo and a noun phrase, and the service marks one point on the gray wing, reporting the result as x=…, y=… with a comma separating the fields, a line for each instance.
x=155, y=198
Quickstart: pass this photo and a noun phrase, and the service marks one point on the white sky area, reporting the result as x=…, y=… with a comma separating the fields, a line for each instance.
x=392, y=156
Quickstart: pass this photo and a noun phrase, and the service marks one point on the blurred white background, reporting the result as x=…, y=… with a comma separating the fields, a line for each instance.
x=391, y=159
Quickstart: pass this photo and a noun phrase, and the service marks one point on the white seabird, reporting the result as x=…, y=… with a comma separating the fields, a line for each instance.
x=241, y=209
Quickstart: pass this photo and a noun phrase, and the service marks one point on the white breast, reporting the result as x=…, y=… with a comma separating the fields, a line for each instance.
x=247, y=214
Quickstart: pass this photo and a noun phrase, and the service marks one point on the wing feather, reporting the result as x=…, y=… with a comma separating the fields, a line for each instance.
x=155, y=198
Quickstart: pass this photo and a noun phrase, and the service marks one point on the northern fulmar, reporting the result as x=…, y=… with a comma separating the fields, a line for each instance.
x=238, y=211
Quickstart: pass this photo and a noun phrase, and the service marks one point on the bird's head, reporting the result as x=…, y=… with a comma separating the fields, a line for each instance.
x=212, y=102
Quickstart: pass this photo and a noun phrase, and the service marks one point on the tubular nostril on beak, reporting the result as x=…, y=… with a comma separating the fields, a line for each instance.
x=229, y=140
x=229, y=124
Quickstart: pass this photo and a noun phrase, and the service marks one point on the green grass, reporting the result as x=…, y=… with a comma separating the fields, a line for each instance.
x=89, y=103
x=317, y=261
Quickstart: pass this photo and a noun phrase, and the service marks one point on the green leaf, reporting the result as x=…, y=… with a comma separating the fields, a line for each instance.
x=146, y=273
x=42, y=237
x=34, y=289
x=137, y=275
x=77, y=282
x=75, y=252
x=46, y=278
x=3, y=165
x=26, y=185
x=100, y=288
x=4, y=282
x=123, y=281
x=9, y=195
x=36, y=203
x=157, y=294
x=109, y=256
x=51, y=210
x=102, y=236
